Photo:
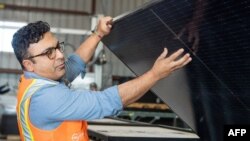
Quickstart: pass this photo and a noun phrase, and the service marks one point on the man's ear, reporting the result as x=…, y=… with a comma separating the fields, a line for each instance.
x=28, y=65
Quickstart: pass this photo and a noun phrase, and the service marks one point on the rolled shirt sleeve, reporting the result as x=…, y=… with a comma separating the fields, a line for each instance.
x=74, y=67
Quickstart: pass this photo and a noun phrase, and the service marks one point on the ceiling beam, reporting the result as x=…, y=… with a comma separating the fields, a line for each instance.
x=11, y=71
x=51, y=10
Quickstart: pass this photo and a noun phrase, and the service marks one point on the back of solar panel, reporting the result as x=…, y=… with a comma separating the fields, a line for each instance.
x=210, y=92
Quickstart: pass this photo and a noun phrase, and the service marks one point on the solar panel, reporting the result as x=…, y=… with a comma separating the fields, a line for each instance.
x=213, y=90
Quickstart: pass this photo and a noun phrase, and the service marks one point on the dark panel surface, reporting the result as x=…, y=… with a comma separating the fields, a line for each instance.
x=214, y=89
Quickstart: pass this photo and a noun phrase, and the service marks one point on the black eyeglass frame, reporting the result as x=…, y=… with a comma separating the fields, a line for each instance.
x=49, y=51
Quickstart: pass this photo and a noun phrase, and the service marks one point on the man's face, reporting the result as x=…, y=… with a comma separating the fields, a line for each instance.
x=52, y=68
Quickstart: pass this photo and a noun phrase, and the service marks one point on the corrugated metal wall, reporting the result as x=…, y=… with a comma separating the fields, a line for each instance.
x=69, y=21
x=8, y=60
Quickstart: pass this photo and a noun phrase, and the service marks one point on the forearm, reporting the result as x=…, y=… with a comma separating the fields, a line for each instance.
x=163, y=66
x=136, y=88
x=87, y=48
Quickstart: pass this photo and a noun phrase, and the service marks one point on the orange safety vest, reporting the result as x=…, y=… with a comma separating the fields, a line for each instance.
x=67, y=131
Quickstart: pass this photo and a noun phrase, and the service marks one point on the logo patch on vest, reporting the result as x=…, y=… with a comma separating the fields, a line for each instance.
x=77, y=136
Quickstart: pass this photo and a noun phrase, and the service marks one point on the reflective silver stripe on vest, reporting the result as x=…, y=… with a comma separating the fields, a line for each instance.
x=38, y=83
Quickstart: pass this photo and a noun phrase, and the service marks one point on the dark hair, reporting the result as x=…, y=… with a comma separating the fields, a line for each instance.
x=31, y=33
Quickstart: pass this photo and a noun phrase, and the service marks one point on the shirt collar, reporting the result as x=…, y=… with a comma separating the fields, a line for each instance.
x=32, y=75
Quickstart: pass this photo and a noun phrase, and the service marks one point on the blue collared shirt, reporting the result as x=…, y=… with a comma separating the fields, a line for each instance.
x=51, y=105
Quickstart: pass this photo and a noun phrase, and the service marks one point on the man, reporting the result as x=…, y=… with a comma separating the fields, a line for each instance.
x=47, y=109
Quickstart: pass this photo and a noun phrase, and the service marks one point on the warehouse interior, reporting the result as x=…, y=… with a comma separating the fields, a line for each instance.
x=194, y=103
x=72, y=22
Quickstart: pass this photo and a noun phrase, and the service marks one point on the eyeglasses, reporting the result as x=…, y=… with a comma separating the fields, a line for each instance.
x=51, y=52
